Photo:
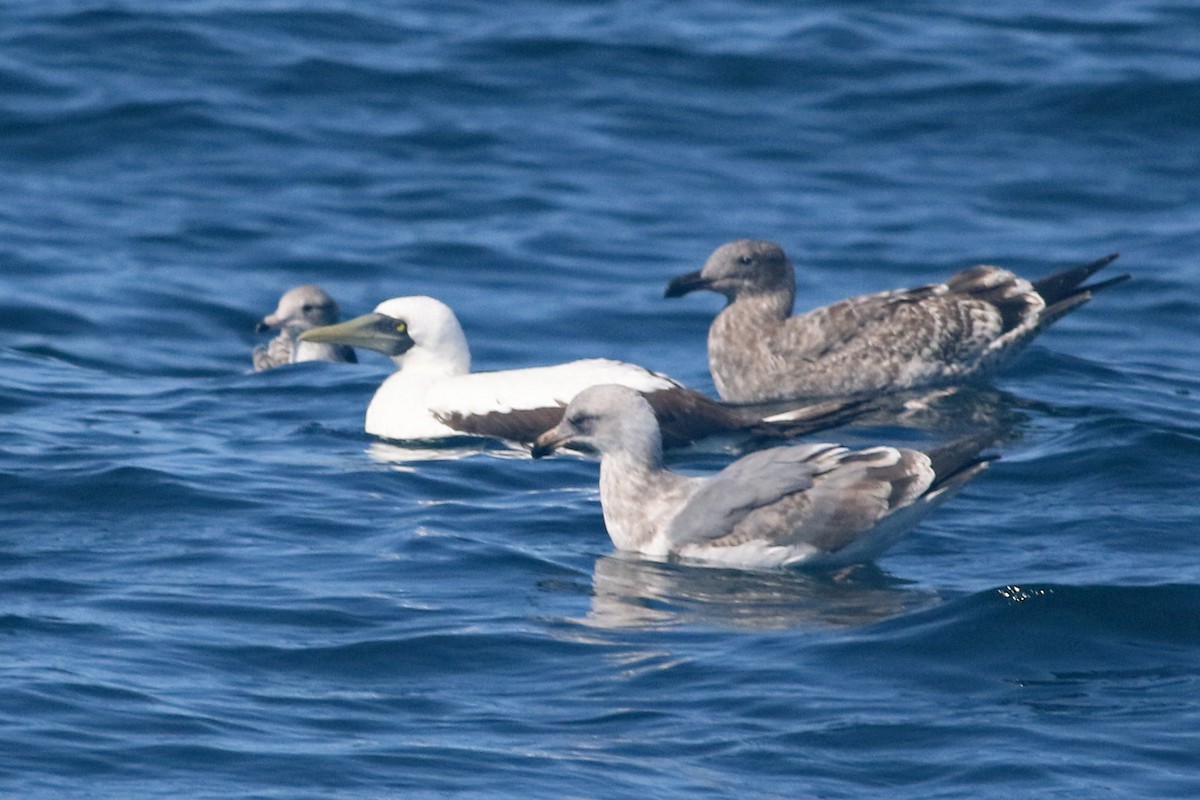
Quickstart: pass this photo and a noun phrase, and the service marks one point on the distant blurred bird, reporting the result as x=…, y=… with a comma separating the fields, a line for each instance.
x=299, y=309
x=928, y=336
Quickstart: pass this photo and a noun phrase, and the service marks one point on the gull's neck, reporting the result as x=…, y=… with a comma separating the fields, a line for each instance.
x=740, y=339
x=639, y=497
x=312, y=351
x=762, y=304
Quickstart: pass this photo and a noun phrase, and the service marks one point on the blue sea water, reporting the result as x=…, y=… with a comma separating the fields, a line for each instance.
x=213, y=584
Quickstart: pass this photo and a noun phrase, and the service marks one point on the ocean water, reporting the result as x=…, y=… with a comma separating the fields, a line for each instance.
x=213, y=584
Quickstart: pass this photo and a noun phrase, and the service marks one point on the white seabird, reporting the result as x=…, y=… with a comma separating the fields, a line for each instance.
x=299, y=309
x=924, y=337
x=819, y=504
x=434, y=395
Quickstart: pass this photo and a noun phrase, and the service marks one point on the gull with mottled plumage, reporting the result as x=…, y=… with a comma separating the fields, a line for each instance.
x=299, y=310
x=434, y=395
x=816, y=504
x=930, y=336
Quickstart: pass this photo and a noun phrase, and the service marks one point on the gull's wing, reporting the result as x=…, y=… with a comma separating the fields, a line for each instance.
x=275, y=353
x=759, y=479
x=820, y=495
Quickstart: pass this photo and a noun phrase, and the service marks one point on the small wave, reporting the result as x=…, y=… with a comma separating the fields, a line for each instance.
x=416, y=655
x=1047, y=628
x=119, y=490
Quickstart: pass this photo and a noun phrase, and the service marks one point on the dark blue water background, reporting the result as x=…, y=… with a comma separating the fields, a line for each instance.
x=212, y=586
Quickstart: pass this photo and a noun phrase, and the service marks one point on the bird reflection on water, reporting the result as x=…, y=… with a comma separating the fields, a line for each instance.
x=630, y=591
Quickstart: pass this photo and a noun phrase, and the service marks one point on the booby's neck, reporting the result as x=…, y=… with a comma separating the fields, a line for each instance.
x=400, y=408
x=450, y=357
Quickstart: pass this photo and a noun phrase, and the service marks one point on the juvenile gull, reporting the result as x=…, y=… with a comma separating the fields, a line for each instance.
x=433, y=394
x=928, y=336
x=299, y=309
x=819, y=504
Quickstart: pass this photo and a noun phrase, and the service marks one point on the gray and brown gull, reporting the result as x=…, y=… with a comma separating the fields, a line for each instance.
x=818, y=504
x=434, y=395
x=929, y=336
x=300, y=309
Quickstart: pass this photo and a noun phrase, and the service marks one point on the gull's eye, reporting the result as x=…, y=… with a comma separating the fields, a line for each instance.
x=308, y=309
x=581, y=420
x=744, y=260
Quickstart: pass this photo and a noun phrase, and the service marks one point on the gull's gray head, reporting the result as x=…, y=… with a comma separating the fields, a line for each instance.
x=739, y=268
x=416, y=331
x=604, y=419
x=299, y=309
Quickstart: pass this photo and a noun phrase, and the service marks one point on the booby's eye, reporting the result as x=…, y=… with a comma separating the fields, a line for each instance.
x=308, y=309
x=401, y=326
x=744, y=260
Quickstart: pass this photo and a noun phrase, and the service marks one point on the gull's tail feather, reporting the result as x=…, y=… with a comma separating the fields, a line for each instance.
x=1063, y=285
x=957, y=462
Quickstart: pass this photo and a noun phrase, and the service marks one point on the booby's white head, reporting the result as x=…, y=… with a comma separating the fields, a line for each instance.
x=439, y=344
x=419, y=333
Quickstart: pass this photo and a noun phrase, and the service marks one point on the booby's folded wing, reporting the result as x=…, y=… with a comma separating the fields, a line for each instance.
x=519, y=404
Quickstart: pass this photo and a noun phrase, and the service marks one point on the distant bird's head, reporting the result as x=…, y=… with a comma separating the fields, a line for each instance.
x=740, y=268
x=300, y=309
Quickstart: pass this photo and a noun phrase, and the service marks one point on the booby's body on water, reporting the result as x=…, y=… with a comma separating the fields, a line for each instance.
x=434, y=395
x=929, y=336
x=817, y=504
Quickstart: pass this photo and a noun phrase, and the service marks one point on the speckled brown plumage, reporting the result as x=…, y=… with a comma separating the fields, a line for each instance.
x=928, y=336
